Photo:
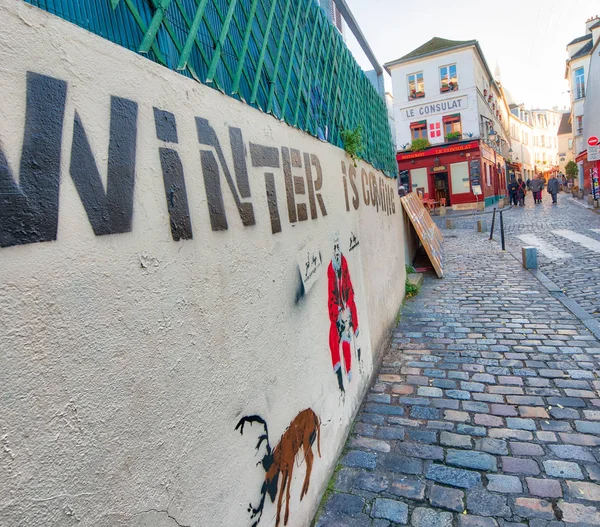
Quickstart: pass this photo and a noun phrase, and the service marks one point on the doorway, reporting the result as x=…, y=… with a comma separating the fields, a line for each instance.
x=441, y=188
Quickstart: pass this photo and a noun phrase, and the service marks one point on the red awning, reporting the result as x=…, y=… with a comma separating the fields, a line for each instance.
x=438, y=151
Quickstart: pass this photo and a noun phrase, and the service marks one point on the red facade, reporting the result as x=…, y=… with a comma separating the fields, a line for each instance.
x=588, y=166
x=456, y=189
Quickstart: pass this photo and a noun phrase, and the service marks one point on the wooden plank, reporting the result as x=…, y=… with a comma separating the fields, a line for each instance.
x=193, y=31
x=427, y=230
x=161, y=9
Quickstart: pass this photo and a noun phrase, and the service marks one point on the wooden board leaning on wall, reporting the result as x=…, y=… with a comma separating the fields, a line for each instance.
x=428, y=232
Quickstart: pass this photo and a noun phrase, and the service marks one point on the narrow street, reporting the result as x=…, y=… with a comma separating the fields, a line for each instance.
x=486, y=410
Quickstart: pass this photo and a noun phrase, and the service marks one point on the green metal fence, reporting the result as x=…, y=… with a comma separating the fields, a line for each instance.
x=281, y=56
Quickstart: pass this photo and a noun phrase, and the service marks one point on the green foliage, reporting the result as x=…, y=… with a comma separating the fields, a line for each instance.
x=453, y=135
x=571, y=170
x=353, y=142
x=398, y=316
x=411, y=289
x=419, y=144
x=410, y=269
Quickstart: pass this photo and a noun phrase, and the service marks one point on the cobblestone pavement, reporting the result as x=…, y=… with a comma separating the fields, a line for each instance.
x=485, y=413
x=577, y=271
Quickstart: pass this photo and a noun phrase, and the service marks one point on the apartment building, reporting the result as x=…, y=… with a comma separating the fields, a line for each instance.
x=445, y=93
x=580, y=51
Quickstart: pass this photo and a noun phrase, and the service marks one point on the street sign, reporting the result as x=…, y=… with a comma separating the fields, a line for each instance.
x=593, y=153
x=593, y=140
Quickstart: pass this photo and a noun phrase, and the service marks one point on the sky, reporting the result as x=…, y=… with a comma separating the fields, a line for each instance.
x=526, y=38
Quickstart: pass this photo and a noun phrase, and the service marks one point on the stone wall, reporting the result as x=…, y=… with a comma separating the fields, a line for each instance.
x=181, y=276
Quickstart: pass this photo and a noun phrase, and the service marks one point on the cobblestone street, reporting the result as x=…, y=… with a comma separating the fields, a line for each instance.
x=486, y=410
x=573, y=266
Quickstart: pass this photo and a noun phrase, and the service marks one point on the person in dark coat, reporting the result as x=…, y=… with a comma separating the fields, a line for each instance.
x=512, y=191
x=528, y=183
x=537, y=185
x=553, y=186
x=521, y=190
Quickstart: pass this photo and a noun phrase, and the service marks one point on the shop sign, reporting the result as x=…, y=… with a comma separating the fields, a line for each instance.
x=435, y=108
x=441, y=168
x=593, y=153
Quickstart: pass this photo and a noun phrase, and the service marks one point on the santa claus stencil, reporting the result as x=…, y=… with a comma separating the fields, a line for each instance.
x=342, y=314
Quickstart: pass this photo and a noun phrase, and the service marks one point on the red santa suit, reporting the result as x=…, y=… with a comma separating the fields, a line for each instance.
x=341, y=296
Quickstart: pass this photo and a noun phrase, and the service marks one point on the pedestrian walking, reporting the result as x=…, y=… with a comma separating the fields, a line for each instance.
x=521, y=191
x=512, y=191
x=553, y=188
x=537, y=185
x=528, y=183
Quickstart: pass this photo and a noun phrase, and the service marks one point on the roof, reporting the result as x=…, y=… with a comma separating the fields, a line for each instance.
x=585, y=50
x=580, y=39
x=431, y=47
x=597, y=24
x=565, y=124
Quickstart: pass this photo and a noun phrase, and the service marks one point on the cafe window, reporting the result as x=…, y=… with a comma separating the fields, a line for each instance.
x=418, y=130
x=416, y=86
x=448, y=78
x=452, y=126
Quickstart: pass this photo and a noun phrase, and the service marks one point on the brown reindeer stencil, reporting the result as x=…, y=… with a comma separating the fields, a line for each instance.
x=299, y=435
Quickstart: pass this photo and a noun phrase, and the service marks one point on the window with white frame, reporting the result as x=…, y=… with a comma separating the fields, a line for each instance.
x=416, y=86
x=579, y=83
x=579, y=125
x=448, y=78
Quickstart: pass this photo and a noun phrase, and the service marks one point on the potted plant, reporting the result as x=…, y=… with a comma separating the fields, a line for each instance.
x=571, y=171
x=453, y=136
x=419, y=144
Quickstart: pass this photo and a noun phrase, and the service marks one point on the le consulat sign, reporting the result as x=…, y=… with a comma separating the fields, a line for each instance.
x=435, y=108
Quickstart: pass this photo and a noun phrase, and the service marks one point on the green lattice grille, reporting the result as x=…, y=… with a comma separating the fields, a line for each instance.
x=281, y=56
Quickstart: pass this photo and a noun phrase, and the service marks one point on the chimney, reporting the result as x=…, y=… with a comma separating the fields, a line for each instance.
x=590, y=22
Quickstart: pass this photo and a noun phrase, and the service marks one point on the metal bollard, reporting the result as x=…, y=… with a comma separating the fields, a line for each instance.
x=442, y=211
x=596, y=203
x=502, y=232
x=529, y=257
x=481, y=226
x=493, y=223
x=449, y=224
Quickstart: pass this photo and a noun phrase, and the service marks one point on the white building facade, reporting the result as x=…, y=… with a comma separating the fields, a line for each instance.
x=445, y=94
x=591, y=116
x=545, y=141
x=521, y=135
x=577, y=73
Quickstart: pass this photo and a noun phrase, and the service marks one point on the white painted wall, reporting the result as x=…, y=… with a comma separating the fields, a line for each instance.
x=472, y=80
x=577, y=104
x=591, y=119
x=430, y=68
x=126, y=360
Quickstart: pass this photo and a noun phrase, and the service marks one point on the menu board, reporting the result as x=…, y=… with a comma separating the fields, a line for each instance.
x=428, y=232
